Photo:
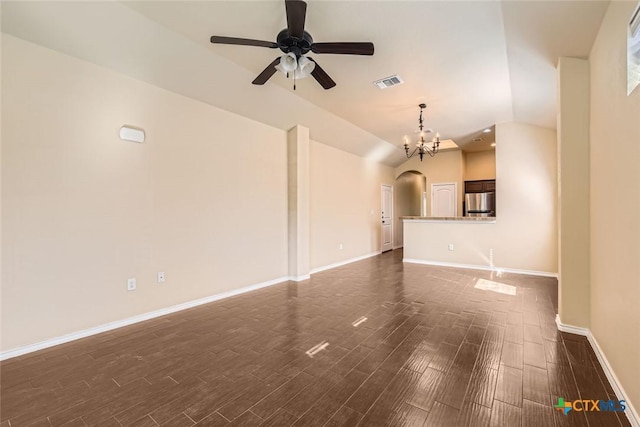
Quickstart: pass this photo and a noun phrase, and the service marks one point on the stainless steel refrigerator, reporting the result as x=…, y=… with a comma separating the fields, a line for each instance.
x=480, y=204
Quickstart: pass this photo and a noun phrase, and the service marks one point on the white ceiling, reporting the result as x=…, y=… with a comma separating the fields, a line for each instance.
x=474, y=63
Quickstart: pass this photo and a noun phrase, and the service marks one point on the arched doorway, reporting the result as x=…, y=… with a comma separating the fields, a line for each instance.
x=409, y=200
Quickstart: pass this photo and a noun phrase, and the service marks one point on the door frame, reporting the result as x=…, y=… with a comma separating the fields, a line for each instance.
x=455, y=193
x=382, y=189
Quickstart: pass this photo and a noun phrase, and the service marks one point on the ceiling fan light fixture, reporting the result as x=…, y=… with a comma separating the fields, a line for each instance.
x=295, y=42
x=305, y=68
x=288, y=63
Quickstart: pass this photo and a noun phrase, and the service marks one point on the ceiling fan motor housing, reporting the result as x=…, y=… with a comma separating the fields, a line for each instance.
x=295, y=45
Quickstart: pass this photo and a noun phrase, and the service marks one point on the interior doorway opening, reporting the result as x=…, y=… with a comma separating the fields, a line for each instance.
x=387, y=218
x=410, y=200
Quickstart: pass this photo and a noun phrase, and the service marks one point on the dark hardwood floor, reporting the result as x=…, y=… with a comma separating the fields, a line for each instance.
x=433, y=351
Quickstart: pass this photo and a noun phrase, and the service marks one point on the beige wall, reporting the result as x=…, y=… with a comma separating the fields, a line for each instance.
x=202, y=198
x=83, y=211
x=345, y=205
x=573, y=191
x=615, y=203
x=524, y=236
x=446, y=166
x=480, y=165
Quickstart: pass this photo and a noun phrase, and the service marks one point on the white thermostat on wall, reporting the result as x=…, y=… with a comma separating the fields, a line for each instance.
x=129, y=133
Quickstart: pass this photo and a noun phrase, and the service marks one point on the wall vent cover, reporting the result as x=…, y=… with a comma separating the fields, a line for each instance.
x=388, y=82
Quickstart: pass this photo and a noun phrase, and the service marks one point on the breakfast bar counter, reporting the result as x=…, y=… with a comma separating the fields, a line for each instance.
x=484, y=219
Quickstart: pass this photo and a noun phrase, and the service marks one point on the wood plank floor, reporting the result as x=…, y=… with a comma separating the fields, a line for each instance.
x=433, y=351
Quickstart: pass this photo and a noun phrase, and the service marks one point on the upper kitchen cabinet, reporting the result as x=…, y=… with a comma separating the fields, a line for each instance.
x=480, y=186
x=480, y=172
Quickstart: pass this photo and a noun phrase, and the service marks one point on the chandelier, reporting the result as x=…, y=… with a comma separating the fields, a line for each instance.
x=423, y=147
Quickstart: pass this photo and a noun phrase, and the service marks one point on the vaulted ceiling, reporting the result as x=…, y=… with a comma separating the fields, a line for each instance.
x=473, y=63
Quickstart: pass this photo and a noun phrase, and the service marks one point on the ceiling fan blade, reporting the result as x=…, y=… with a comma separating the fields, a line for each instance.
x=243, y=42
x=346, y=48
x=266, y=73
x=296, y=13
x=322, y=77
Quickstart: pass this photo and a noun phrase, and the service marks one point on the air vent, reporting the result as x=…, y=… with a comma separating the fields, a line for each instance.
x=478, y=140
x=388, y=82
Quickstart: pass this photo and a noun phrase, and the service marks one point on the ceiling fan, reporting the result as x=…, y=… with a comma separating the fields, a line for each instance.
x=295, y=43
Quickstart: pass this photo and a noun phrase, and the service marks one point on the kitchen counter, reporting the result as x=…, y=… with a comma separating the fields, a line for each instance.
x=484, y=219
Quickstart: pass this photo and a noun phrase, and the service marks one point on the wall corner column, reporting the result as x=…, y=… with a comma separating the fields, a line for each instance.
x=298, y=200
x=574, y=301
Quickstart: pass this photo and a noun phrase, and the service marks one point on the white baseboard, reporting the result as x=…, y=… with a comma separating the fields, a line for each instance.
x=341, y=263
x=164, y=311
x=570, y=328
x=631, y=412
x=481, y=267
x=135, y=319
x=527, y=272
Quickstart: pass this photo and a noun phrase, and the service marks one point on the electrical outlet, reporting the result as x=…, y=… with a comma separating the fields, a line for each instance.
x=161, y=277
x=450, y=246
x=131, y=284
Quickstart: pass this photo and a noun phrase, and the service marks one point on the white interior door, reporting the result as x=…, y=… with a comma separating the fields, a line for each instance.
x=444, y=199
x=387, y=218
